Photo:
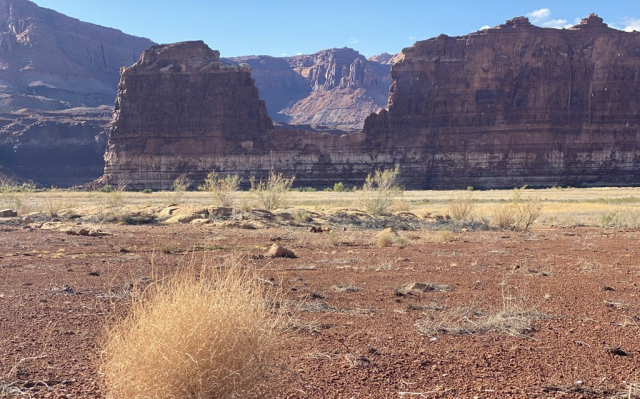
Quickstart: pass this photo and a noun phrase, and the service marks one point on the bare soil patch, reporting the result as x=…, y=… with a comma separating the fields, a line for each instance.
x=365, y=321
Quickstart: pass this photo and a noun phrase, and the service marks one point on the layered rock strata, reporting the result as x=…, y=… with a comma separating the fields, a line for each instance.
x=332, y=89
x=181, y=109
x=512, y=105
x=519, y=104
x=56, y=148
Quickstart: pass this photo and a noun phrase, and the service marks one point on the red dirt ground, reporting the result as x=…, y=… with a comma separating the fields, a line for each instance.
x=59, y=291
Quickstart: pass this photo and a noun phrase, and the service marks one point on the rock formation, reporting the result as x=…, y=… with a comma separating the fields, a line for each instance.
x=53, y=68
x=503, y=107
x=335, y=88
x=51, y=61
x=181, y=109
x=519, y=104
x=56, y=148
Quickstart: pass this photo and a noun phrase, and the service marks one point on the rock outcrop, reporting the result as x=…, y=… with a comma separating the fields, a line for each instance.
x=519, y=104
x=51, y=61
x=503, y=107
x=335, y=88
x=181, y=109
x=56, y=73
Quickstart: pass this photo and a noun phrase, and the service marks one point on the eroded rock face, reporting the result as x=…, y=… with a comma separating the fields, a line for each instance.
x=335, y=88
x=519, y=104
x=180, y=109
x=504, y=107
x=57, y=148
x=51, y=61
x=56, y=73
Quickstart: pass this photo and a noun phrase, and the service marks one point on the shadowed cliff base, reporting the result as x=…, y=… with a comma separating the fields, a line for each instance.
x=503, y=107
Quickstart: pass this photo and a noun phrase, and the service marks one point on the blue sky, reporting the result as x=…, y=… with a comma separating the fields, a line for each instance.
x=287, y=27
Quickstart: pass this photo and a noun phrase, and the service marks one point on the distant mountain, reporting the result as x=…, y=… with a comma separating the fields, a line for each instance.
x=50, y=61
x=335, y=88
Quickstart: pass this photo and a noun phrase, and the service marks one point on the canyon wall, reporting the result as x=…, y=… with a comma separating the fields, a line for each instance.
x=331, y=89
x=519, y=104
x=56, y=73
x=503, y=107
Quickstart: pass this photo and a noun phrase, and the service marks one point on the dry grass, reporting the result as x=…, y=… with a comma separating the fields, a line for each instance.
x=385, y=239
x=461, y=207
x=515, y=317
x=202, y=333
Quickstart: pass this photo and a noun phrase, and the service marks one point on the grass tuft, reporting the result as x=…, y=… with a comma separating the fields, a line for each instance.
x=202, y=333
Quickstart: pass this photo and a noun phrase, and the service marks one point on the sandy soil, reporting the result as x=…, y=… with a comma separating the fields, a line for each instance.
x=356, y=329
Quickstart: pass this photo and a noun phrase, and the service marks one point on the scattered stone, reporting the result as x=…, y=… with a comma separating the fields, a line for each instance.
x=278, y=251
x=220, y=212
x=8, y=213
x=200, y=222
x=421, y=287
x=319, y=229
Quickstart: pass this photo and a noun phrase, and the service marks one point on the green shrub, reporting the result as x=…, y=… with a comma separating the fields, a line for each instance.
x=222, y=189
x=272, y=193
x=338, y=187
x=147, y=191
x=379, y=190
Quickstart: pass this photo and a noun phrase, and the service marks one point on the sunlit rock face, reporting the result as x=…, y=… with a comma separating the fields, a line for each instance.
x=519, y=104
x=503, y=107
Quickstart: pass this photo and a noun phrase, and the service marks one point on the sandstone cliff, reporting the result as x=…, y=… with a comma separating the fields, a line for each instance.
x=51, y=61
x=503, y=107
x=335, y=88
x=519, y=104
x=181, y=109
x=55, y=148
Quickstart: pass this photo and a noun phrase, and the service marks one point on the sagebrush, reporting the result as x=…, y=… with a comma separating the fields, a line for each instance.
x=272, y=193
x=222, y=188
x=379, y=190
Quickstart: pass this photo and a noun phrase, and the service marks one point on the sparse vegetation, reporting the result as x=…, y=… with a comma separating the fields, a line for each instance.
x=462, y=207
x=272, y=193
x=202, y=333
x=222, y=188
x=11, y=194
x=385, y=239
x=180, y=185
x=520, y=213
x=338, y=187
x=379, y=190
x=515, y=317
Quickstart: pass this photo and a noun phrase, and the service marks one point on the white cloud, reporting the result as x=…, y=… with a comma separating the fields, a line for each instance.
x=631, y=24
x=352, y=40
x=413, y=38
x=483, y=27
x=284, y=54
x=539, y=15
x=557, y=23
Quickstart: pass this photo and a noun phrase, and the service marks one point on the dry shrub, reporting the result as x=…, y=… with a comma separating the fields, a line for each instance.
x=521, y=213
x=379, y=190
x=440, y=236
x=222, y=188
x=515, y=317
x=401, y=205
x=461, y=207
x=504, y=216
x=385, y=239
x=204, y=333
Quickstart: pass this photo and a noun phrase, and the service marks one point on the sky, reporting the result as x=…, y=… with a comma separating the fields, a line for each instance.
x=288, y=27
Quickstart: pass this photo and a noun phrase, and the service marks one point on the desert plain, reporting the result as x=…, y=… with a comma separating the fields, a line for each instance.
x=433, y=308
